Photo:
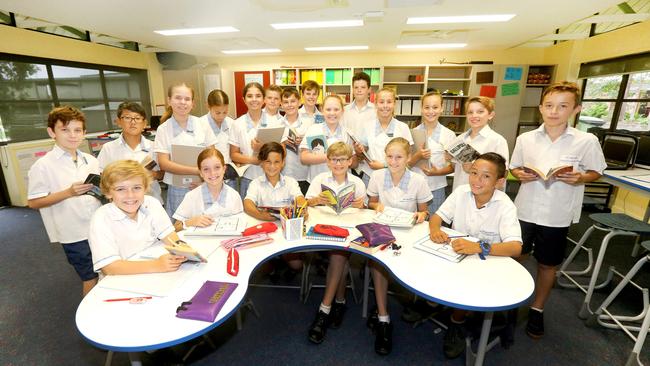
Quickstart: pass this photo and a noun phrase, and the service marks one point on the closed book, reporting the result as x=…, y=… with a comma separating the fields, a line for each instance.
x=315, y=236
x=362, y=245
x=207, y=302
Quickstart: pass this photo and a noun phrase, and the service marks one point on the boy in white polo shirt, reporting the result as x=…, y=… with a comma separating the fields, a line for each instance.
x=129, y=224
x=56, y=189
x=361, y=112
x=547, y=210
x=480, y=210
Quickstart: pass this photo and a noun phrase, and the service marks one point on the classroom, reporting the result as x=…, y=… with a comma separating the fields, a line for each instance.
x=325, y=182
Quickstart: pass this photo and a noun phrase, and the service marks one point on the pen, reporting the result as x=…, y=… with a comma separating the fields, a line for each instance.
x=457, y=236
x=129, y=299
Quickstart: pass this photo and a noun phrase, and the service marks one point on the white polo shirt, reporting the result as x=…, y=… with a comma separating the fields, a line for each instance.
x=411, y=190
x=328, y=179
x=558, y=204
x=272, y=119
x=486, y=141
x=302, y=112
x=357, y=119
x=66, y=221
x=262, y=193
x=440, y=137
x=199, y=202
x=118, y=149
x=222, y=135
x=495, y=222
x=115, y=236
x=243, y=131
x=196, y=133
x=321, y=129
x=376, y=139
x=292, y=165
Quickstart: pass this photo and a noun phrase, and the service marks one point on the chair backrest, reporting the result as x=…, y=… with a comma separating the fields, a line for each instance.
x=620, y=149
x=643, y=155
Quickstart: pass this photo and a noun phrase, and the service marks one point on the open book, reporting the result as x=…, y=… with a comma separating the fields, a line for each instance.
x=222, y=226
x=552, y=173
x=395, y=217
x=234, y=170
x=462, y=151
x=184, y=249
x=291, y=143
x=148, y=163
x=341, y=200
x=363, y=156
x=95, y=191
x=444, y=251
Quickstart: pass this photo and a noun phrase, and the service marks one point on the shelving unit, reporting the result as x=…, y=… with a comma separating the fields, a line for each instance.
x=285, y=77
x=538, y=77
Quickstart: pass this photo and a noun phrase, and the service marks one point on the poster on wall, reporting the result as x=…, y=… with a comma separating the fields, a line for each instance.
x=254, y=78
x=513, y=73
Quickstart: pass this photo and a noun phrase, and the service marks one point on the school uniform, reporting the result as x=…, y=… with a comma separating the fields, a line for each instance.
x=357, y=119
x=321, y=129
x=543, y=207
x=67, y=221
x=376, y=138
x=327, y=178
x=293, y=167
x=303, y=114
x=199, y=202
x=272, y=119
x=487, y=140
x=221, y=134
x=118, y=149
x=440, y=137
x=196, y=133
x=411, y=190
x=496, y=221
x=262, y=193
x=114, y=236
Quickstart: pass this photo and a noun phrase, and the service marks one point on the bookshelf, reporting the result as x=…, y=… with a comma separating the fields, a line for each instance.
x=338, y=81
x=538, y=77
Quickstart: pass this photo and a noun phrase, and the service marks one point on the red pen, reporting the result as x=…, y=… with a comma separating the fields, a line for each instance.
x=129, y=299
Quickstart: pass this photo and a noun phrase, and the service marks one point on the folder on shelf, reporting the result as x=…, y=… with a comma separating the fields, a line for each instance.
x=374, y=77
x=416, y=107
x=346, y=76
x=330, y=76
x=406, y=107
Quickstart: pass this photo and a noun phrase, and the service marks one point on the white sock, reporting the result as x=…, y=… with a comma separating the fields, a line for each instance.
x=324, y=308
x=384, y=318
x=537, y=309
x=340, y=301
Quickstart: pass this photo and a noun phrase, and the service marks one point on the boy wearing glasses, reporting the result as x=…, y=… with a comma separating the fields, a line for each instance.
x=331, y=310
x=131, y=145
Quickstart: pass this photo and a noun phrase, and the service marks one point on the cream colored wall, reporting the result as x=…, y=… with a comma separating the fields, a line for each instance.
x=30, y=43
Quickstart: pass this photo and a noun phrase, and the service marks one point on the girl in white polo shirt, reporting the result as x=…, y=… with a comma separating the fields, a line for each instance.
x=480, y=111
x=212, y=198
x=397, y=187
x=374, y=137
x=220, y=123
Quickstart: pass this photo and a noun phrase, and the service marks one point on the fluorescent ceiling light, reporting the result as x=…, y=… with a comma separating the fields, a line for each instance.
x=336, y=48
x=259, y=50
x=188, y=31
x=461, y=19
x=323, y=24
x=431, y=46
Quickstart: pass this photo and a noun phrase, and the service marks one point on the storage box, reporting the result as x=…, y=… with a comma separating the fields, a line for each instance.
x=293, y=229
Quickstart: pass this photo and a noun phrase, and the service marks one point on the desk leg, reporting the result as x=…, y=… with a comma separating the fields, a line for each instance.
x=483, y=341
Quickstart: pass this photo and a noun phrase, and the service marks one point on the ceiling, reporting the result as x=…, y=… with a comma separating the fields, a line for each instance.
x=136, y=21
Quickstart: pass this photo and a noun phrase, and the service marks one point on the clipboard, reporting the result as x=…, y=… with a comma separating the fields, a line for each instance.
x=270, y=134
x=186, y=155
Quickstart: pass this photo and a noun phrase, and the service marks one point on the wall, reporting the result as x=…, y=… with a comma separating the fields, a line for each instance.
x=32, y=43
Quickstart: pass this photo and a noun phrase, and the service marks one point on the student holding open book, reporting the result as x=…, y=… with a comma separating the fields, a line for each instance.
x=212, y=198
x=179, y=128
x=132, y=118
x=480, y=210
x=297, y=126
x=130, y=223
x=397, y=187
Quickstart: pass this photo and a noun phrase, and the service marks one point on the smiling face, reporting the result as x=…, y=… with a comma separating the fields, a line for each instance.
x=219, y=112
x=396, y=158
x=181, y=100
x=273, y=165
x=431, y=108
x=212, y=171
x=332, y=110
x=128, y=195
x=69, y=136
x=385, y=105
x=290, y=105
x=339, y=165
x=310, y=97
x=483, y=178
x=254, y=98
x=558, y=108
x=478, y=115
x=272, y=102
x=132, y=123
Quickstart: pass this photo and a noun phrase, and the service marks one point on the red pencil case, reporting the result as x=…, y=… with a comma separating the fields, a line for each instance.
x=331, y=230
x=266, y=227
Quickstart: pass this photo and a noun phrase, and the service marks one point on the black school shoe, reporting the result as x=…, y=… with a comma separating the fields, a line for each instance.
x=535, y=326
x=383, y=338
x=454, y=342
x=336, y=314
x=319, y=327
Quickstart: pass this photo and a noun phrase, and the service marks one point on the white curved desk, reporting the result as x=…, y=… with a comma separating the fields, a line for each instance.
x=498, y=283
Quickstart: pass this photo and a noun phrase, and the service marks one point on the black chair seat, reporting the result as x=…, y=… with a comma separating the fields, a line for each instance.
x=621, y=222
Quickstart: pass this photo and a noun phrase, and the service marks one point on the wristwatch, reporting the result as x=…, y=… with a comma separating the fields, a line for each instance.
x=485, y=248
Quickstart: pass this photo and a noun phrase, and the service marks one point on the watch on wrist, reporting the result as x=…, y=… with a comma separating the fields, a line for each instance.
x=485, y=248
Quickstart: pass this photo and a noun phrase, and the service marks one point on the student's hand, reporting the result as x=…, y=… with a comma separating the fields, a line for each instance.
x=439, y=237
x=429, y=171
x=170, y=262
x=158, y=174
x=200, y=221
x=421, y=216
x=78, y=188
x=298, y=140
x=266, y=216
x=425, y=153
x=256, y=145
x=358, y=203
x=573, y=178
x=376, y=164
x=448, y=157
x=380, y=207
x=523, y=175
x=464, y=246
x=467, y=167
x=359, y=149
x=318, y=200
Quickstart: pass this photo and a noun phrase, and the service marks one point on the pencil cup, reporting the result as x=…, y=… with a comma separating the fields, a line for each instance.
x=292, y=228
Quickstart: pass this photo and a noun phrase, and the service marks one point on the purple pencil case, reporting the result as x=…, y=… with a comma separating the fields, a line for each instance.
x=207, y=302
x=376, y=234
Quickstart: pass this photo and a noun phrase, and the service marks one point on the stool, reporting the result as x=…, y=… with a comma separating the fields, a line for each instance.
x=603, y=317
x=307, y=285
x=614, y=225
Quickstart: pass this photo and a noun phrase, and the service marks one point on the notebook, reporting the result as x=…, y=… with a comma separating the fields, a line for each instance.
x=314, y=236
x=444, y=251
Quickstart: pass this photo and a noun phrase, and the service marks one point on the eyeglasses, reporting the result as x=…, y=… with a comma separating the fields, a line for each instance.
x=339, y=160
x=130, y=119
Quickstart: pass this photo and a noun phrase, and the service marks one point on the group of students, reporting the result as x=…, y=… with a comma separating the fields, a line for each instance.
x=367, y=147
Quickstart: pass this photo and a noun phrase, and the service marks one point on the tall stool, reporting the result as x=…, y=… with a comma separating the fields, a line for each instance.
x=603, y=317
x=614, y=225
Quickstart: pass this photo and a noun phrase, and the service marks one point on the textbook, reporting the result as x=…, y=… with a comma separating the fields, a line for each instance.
x=341, y=200
x=316, y=236
x=148, y=163
x=95, y=191
x=362, y=245
x=270, y=134
x=444, y=251
x=185, y=155
x=317, y=144
x=462, y=151
x=420, y=142
x=395, y=217
x=365, y=155
x=291, y=143
x=552, y=173
x=222, y=226
x=184, y=249
x=234, y=170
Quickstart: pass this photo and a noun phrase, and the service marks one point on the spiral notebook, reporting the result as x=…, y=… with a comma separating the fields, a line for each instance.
x=315, y=236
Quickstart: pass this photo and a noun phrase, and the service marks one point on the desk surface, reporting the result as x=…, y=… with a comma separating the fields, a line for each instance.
x=636, y=179
x=497, y=283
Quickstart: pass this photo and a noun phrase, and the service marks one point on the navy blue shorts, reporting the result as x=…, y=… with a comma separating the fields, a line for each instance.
x=549, y=243
x=79, y=256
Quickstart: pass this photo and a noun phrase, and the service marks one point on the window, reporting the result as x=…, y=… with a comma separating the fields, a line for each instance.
x=635, y=108
x=599, y=100
x=30, y=87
